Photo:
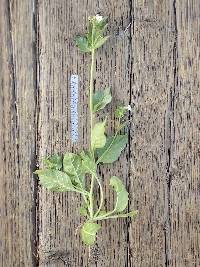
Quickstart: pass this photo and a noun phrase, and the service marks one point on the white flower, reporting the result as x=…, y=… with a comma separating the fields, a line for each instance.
x=99, y=18
x=129, y=108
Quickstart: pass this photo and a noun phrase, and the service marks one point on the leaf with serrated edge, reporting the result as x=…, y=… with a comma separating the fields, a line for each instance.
x=122, y=194
x=101, y=99
x=88, y=232
x=98, y=135
x=55, y=180
x=72, y=165
x=112, y=149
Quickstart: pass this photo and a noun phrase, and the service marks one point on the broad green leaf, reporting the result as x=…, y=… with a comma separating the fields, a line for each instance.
x=82, y=43
x=101, y=99
x=88, y=164
x=98, y=135
x=53, y=162
x=112, y=149
x=83, y=211
x=72, y=165
x=88, y=232
x=122, y=194
x=100, y=41
x=55, y=180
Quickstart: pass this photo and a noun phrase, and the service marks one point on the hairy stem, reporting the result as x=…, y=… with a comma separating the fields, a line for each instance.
x=91, y=89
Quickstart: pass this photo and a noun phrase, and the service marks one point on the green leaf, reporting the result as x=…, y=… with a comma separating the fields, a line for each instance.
x=53, y=162
x=100, y=41
x=101, y=25
x=72, y=165
x=98, y=138
x=88, y=232
x=131, y=214
x=55, y=180
x=83, y=211
x=82, y=43
x=88, y=164
x=101, y=99
x=122, y=194
x=112, y=149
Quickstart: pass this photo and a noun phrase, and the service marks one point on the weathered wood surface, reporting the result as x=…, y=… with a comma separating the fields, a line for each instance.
x=151, y=61
x=17, y=133
x=153, y=38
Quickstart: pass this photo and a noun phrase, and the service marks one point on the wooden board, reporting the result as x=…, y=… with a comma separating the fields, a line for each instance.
x=151, y=62
x=17, y=134
x=185, y=158
x=153, y=37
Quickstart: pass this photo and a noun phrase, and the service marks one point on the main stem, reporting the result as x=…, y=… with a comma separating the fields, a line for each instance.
x=91, y=89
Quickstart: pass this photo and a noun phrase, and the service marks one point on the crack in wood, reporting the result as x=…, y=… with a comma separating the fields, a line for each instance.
x=170, y=143
x=35, y=205
x=130, y=64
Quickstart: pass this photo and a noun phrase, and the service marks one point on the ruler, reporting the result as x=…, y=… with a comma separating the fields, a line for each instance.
x=74, y=107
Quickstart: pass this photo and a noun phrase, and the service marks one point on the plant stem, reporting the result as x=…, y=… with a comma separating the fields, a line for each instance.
x=101, y=193
x=100, y=218
x=91, y=89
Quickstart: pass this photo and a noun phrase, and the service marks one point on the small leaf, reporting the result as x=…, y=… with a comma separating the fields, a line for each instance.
x=53, y=162
x=83, y=211
x=98, y=136
x=55, y=180
x=131, y=214
x=72, y=165
x=122, y=194
x=101, y=99
x=100, y=41
x=120, y=111
x=88, y=164
x=88, y=232
x=101, y=25
x=112, y=149
x=82, y=43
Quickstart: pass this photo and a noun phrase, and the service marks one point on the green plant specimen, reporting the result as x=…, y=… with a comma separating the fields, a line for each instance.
x=68, y=173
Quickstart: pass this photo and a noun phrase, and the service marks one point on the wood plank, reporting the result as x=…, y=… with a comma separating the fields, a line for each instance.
x=17, y=133
x=153, y=37
x=185, y=158
x=58, y=23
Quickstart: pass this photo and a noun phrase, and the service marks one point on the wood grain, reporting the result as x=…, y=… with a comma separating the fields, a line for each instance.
x=185, y=156
x=151, y=62
x=153, y=37
x=17, y=133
